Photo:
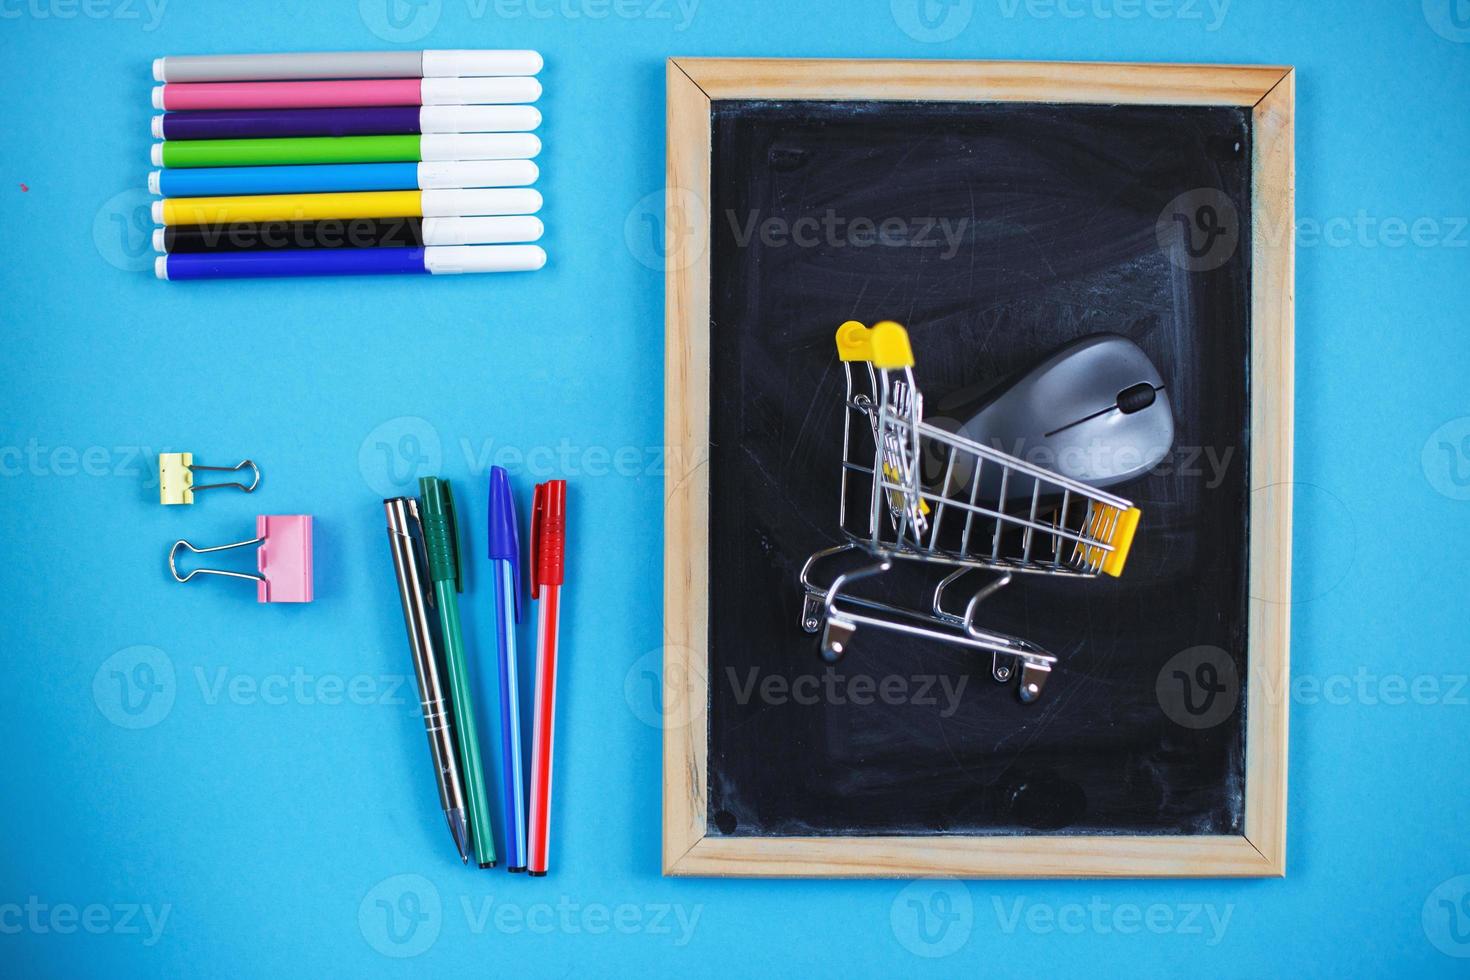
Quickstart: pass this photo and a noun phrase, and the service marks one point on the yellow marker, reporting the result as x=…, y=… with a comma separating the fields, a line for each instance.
x=288, y=207
x=474, y=202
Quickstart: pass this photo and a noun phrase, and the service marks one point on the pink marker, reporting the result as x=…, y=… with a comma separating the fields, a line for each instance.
x=358, y=92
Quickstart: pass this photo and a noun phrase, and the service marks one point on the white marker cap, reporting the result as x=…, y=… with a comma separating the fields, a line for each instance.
x=448, y=64
x=158, y=70
x=478, y=118
x=155, y=154
x=157, y=212
x=481, y=231
x=454, y=259
x=479, y=91
x=158, y=127
x=458, y=204
x=477, y=173
x=160, y=267
x=445, y=147
x=155, y=182
x=158, y=241
x=158, y=96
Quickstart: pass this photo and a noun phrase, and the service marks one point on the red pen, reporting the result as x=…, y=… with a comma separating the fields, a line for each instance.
x=548, y=548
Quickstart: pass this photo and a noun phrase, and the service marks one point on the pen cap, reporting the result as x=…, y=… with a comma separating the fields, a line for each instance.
x=505, y=536
x=548, y=534
x=441, y=532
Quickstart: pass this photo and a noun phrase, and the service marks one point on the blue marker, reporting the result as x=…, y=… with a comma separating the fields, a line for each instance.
x=329, y=177
x=438, y=260
x=505, y=561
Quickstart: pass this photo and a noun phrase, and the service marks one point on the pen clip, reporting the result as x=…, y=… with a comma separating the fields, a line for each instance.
x=420, y=550
x=538, y=514
x=451, y=518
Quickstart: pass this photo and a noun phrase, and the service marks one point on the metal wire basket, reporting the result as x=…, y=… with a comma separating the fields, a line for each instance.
x=915, y=492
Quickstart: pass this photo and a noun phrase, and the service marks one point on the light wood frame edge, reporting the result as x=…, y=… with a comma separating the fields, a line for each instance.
x=1261, y=851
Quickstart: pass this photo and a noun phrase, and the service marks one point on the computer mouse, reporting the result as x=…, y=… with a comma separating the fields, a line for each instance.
x=1095, y=411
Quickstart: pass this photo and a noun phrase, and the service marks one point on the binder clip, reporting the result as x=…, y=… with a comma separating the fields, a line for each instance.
x=176, y=477
x=284, y=558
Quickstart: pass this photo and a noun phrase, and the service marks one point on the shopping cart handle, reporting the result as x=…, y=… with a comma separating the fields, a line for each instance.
x=885, y=344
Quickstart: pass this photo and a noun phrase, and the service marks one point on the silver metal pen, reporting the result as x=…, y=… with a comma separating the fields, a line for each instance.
x=406, y=538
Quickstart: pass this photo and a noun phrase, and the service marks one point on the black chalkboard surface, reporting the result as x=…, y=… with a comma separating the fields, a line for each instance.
x=996, y=233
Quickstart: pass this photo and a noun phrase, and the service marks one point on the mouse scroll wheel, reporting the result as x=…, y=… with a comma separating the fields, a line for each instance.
x=1136, y=398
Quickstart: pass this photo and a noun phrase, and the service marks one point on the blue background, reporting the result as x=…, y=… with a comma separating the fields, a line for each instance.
x=273, y=828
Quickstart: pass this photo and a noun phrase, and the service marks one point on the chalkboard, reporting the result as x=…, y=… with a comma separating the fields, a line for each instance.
x=996, y=232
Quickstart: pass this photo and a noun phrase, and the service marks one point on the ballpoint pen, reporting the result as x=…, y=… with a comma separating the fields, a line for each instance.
x=505, y=560
x=441, y=538
x=405, y=538
x=548, y=548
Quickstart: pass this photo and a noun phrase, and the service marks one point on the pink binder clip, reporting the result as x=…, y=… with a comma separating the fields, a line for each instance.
x=283, y=557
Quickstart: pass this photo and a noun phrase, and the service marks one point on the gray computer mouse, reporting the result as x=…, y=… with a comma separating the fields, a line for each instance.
x=1095, y=411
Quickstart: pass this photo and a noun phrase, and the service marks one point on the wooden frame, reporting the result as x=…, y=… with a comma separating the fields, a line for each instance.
x=1261, y=851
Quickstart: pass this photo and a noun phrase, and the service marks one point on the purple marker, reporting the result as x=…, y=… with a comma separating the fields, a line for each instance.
x=433, y=259
x=214, y=124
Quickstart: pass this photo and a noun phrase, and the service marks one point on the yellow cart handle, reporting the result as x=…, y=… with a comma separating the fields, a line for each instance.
x=885, y=344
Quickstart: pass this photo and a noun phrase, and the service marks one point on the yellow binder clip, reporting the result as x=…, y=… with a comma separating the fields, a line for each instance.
x=176, y=477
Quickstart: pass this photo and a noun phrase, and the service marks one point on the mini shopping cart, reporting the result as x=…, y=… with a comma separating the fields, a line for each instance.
x=914, y=492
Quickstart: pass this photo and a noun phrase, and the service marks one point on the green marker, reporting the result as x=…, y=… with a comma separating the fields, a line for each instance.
x=441, y=538
x=306, y=150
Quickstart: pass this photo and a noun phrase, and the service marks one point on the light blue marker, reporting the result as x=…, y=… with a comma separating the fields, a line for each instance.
x=330, y=177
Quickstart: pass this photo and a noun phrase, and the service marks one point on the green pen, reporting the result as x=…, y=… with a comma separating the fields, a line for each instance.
x=441, y=537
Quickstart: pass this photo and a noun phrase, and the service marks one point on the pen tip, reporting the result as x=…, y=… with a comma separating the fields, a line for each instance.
x=460, y=831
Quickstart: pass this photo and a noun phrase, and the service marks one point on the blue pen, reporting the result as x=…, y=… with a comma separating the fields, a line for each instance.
x=505, y=561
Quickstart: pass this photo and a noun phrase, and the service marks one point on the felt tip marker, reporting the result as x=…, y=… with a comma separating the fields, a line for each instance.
x=345, y=149
x=363, y=204
x=217, y=124
x=326, y=178
x=344, y=64
x=438, y=260
x=357, y=92
x=251, y=236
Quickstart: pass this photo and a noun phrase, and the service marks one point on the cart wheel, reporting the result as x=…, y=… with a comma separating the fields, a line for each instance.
x=1033, y=679
x=836, y=637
